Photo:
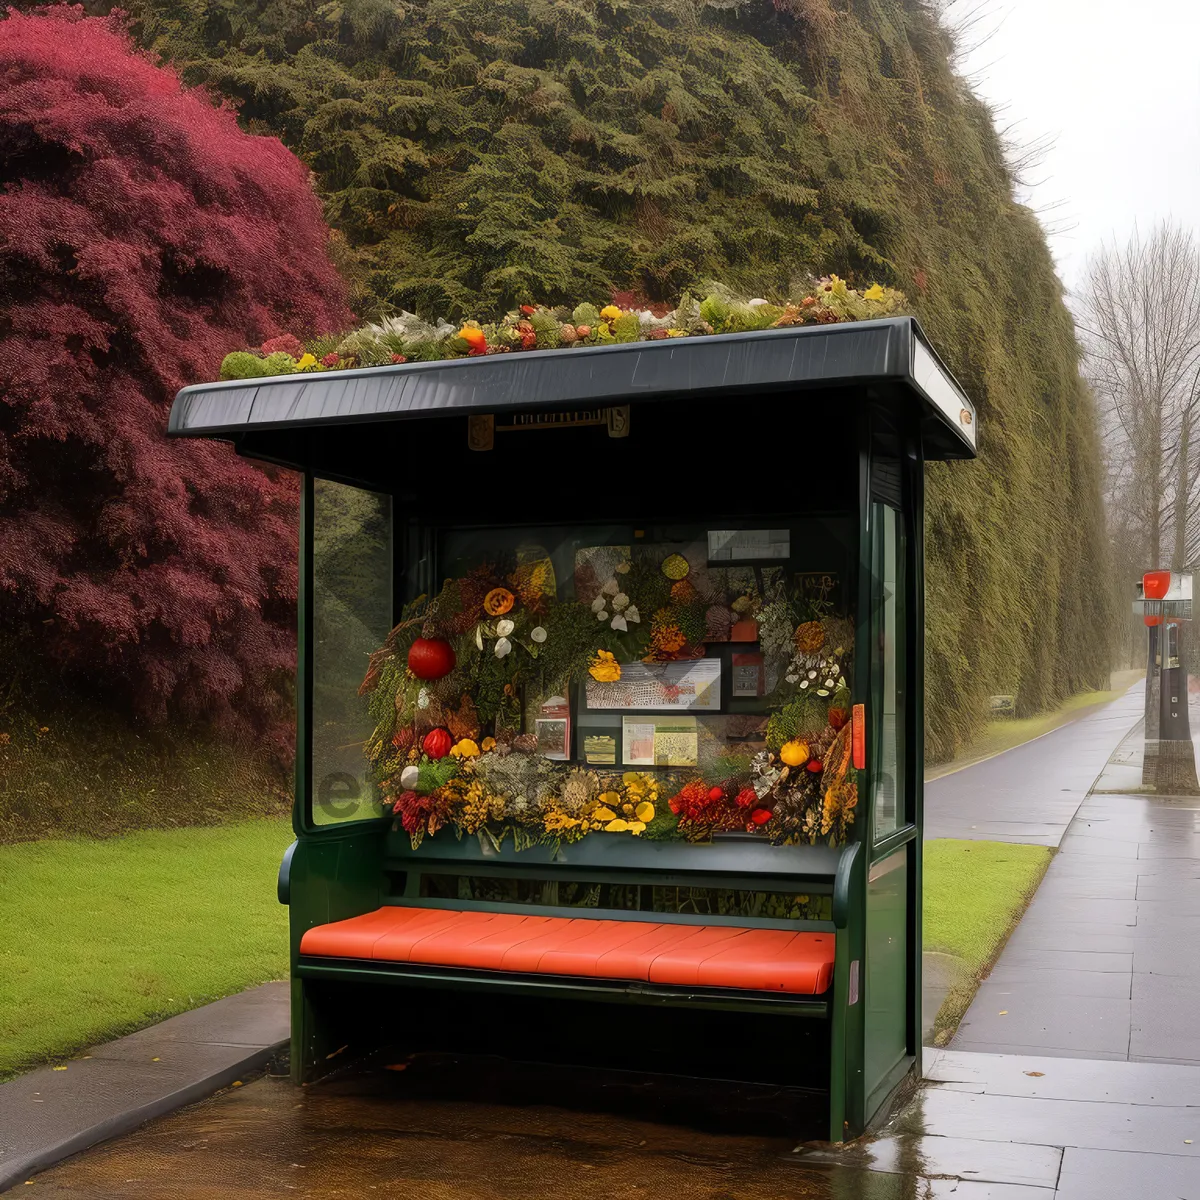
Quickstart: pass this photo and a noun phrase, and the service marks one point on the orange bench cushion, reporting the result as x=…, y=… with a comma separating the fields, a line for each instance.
x=763, y=960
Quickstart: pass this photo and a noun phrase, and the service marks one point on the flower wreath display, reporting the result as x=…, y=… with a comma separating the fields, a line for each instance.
x=450, y=688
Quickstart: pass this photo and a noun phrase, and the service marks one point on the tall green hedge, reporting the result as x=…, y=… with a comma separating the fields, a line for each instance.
x=476, y=153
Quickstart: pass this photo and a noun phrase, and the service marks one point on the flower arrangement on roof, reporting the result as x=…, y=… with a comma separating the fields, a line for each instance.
x=408, y=338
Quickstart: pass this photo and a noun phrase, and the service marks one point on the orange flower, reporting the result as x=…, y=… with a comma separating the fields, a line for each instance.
x=498, y=601
x=475, y=338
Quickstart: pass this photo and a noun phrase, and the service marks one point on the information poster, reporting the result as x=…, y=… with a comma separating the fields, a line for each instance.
x=553, y=728
x=659, y=741
x=660, y=687
x=747, y=675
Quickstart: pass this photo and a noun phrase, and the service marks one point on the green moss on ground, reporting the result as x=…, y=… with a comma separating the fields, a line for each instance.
x=974, y=895
x=105, y=937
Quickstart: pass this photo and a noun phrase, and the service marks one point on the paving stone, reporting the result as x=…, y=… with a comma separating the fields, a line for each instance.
x=1086, y=887
x=975, y=1160
x=1095, y=1125
x=1067, y=960
x=1019, y=1049
x=1092, y=911
x=1049, y=1077
x=1053, y=982
x=1092, y=937
x=1164, y=1019
x=1090, y=1023
x=1121, y=1175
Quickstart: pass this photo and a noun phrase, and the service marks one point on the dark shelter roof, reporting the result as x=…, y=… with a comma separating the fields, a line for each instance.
x=883, y=357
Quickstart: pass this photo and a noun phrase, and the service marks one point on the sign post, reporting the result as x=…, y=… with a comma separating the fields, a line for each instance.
x=1169, y=762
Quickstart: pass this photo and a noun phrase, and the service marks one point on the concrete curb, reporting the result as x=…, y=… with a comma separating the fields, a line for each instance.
x=48, y=1114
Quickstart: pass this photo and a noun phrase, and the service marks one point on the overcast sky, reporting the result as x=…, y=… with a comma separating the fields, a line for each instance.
x=1116, y=85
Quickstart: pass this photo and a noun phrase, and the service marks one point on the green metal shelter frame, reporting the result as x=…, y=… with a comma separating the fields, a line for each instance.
x=868, y=403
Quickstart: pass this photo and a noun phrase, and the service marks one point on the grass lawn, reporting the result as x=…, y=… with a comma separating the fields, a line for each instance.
x=975, y=892
x=98, y=938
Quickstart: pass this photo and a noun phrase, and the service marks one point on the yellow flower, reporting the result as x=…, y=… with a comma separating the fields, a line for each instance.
x=604, y=668
x=645, y=812
x=610, y=312
x=604, y=813
x=795, y=753
x=465, y=749
x=305, y=361
x=636, y=827
x=489, y=743
x=616, y=826
x=874, y=292
x=611, y=799
x=837, y=286
x=676, y=333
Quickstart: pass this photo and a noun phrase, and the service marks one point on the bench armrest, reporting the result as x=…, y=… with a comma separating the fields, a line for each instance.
x=843, y=884
x=283, y=886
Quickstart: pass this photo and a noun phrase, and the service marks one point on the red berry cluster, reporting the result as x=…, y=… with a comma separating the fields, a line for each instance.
x=414, y=811
x=714, y=807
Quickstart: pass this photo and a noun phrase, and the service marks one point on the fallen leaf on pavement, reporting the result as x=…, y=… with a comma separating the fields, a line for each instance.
x=1036, y=1074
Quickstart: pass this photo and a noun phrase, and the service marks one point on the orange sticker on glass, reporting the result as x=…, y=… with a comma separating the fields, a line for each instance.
x=858, y=737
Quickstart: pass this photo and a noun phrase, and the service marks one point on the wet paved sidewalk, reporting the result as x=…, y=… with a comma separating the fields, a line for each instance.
x=1032, y=792
x=112, y=1089
x=986, y=1127
x=1106, y=962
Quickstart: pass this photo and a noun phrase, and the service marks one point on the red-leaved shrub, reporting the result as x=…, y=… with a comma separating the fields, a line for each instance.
x=142, y=236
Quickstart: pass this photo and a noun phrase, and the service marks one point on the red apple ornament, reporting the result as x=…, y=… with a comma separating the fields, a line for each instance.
x=437, y=743
x=431, y=658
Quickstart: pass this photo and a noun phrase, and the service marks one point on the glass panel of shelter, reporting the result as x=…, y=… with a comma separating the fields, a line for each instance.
x=351, y=615
x=664, y=661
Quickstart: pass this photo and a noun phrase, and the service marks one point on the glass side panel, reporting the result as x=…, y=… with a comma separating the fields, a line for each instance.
x=886, y=966
x=889, y=806
x=663, y=682
x=352, y=613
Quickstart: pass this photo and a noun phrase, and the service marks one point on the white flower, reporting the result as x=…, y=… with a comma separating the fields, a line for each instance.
x=822, y=691
x=812, y=674
x=503, y=646
x=602, y=615
x=598, y=604
x=619, y=623
x=632, y=614
x=620, y=601
x=758, y=303
x=504, y=628
x=537, y=634
x=409, y=777
x=829, y=683
x=611, y=588
x=803, y=683
x=423, y=698
x=791, y=678
x=478, y=637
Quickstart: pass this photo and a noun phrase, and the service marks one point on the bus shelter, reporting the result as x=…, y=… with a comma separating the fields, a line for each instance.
x=609, y=696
